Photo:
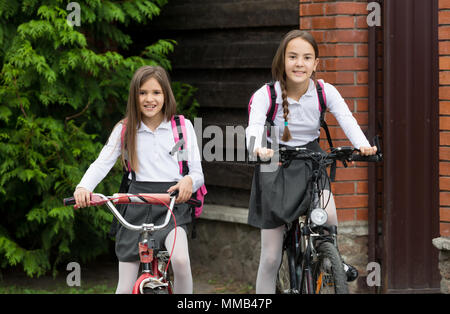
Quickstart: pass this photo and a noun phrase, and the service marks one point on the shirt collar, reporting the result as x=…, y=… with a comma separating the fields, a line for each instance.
x=309, y=93
x=165, y=124
x=311, y=88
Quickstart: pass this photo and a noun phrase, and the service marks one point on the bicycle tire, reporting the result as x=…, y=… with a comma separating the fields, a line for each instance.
x=328, y=272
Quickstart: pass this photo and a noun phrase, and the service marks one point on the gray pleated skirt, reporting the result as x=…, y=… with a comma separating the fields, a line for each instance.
x=127, y=240
x=281, y=196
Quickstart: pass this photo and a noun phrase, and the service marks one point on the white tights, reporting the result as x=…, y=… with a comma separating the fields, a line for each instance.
x=128, y=271
x=271, y=249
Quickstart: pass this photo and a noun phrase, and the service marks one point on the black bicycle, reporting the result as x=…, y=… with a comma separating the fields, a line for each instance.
x=311, y=261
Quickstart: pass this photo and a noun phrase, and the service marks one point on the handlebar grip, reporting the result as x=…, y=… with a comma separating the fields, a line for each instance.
x=371, y=158
x=69, y=201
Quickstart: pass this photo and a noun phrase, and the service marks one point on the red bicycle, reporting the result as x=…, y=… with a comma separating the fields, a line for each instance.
x=155, y=277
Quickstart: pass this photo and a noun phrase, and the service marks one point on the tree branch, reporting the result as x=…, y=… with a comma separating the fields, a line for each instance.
x=79, y=113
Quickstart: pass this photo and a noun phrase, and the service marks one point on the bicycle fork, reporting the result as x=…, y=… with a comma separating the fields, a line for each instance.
x=154, y=276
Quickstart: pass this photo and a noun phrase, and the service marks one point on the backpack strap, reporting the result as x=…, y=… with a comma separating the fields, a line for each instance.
x=323, y=108
x=127, y=170
x=273, y=106
x=122, y=141
x=179, y=133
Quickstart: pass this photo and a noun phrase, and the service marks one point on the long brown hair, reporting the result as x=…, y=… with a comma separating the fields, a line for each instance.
x=133, y=117
x=279, y=70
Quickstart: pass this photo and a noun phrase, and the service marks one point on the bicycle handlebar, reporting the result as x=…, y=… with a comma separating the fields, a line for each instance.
x=142, y=198
x=124, y=198
x=343, y=153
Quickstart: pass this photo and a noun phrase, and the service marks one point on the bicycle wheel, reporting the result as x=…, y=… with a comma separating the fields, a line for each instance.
x=328, y=273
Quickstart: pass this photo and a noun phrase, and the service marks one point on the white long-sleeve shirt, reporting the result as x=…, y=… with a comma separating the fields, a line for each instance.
x=155, y=164
x=303, y=118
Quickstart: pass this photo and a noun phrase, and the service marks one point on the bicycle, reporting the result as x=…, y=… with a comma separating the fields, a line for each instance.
x=311, y=262
x=156, y=273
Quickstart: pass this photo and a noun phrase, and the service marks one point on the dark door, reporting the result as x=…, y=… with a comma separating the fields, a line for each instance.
x=411, y=143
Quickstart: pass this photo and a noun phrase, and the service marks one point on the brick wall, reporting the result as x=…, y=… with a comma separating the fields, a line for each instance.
x=341, y=30
x=444, y=116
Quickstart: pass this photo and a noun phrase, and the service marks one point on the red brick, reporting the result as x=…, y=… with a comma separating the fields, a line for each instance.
x=444, y=153
x=444, y=48
x=354, y=91
x=345, y=64
x=336, y=50
x=444, y=107
x=444, y=198
x=444, y=63
x=444, y=229
x=311, y=9
x=351, y=174
x=444, y=123
x=346, y=36
x=362, y=214
x=305, y=22
x=352, y=201
x=361, y=117
x=362, y=105
x=444, y=214
x=444, y=77
x=444, y=93
x=362, y=50
x=444, y=17
x=339, y=188
x=444, y=32
x=444, y=183
x=362, y=187
x=444, y=138
x=318, y=36
x=331, y=22
x=351, y=8
x=337, y=77
x=361, y=22
x=362, y=77
x=346, y=214
x=444, y=4
x=444, y=168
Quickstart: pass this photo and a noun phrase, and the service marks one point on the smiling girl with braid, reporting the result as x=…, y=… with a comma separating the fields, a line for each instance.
x=278, y=197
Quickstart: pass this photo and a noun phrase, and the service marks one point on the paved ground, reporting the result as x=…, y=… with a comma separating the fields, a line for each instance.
x=102, y=278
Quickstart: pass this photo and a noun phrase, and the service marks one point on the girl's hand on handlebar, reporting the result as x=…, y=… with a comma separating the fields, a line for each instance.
x=367, y=151
x=184, y=187
x=264, y=153
x=82, y=197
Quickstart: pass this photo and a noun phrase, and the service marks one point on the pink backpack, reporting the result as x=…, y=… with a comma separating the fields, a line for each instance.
x=179, y=132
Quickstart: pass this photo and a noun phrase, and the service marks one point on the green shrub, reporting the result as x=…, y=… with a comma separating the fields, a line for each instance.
x=62, y=90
